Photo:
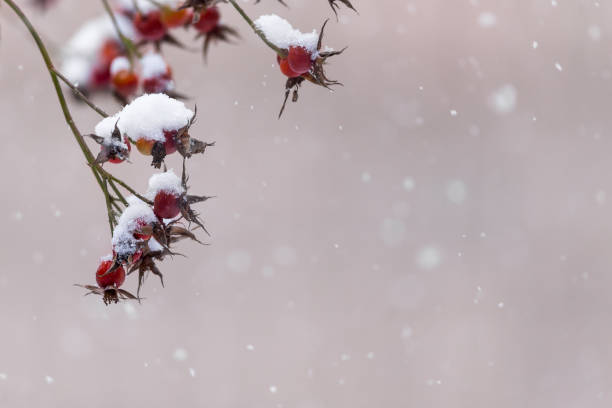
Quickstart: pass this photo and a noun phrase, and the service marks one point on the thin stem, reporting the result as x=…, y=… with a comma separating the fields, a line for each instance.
x=80, y=94
x=127, y=43
x=109, y=210
x=101, y=175
x=109, y=176
x=114, y=203
x=250, y=22
x=118, y=193
x=58, y=89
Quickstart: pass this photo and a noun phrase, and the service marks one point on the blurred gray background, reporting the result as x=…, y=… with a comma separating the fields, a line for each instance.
x=435, y=233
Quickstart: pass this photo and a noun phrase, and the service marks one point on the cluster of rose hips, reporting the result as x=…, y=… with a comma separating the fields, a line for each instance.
x=123, y=69
x=144, y=234
x=148, y=227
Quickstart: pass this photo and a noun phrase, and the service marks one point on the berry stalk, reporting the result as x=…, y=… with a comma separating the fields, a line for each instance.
x=243, y=14
x=127, y=43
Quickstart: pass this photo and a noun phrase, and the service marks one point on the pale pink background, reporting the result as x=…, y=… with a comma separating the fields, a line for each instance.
x=329, y=280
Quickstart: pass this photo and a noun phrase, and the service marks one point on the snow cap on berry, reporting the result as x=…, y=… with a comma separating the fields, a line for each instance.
x=282, y=34
x=120, y=64
x=153, y=65
x=105, y=128
x=81, y=52
x=131, y=219
x=147, y=116
x=167, y=182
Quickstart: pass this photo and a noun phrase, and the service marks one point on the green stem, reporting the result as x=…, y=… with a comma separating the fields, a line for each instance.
x=109, y=176
x=279, y=51
x=118, y=193
x=109, y=209
x=80, y=94
x=127, y=43
x=101, y=175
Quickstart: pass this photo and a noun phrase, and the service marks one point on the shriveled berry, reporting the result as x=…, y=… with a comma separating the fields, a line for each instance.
x=115, y=278
x=299, y=60
x=149, y=26
x=166, y=205
x=209, y=19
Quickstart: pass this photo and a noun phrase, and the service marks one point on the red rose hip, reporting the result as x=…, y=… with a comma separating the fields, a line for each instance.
x=166, y=205
x=208, y=20
x=299, y=60
x=149, y=26
x=115, y=278
x=283, y=64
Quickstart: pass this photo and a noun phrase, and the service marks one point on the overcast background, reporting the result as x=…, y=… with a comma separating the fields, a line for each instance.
x=436, y=233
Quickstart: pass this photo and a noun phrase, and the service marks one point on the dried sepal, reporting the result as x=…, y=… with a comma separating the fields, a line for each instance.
x=198, y=7
x=317, y=73
x=335, y=6
x=187, y=145
x=292, y=84
x=221, y=33
x=158, y=152
x=111, y=149
x=186, y=200
x=110, y=294
x=147, y=264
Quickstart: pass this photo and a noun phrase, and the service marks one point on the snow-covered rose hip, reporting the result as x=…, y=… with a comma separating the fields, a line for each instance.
x=123, y=78
x=156, y=74
x=159, y=125
x=166, y=190
x=109, y=274
x=301, y=58
x=134, y=227
x=114, y=147
x=170, y=198
x=149, y=25
x=143, y=230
